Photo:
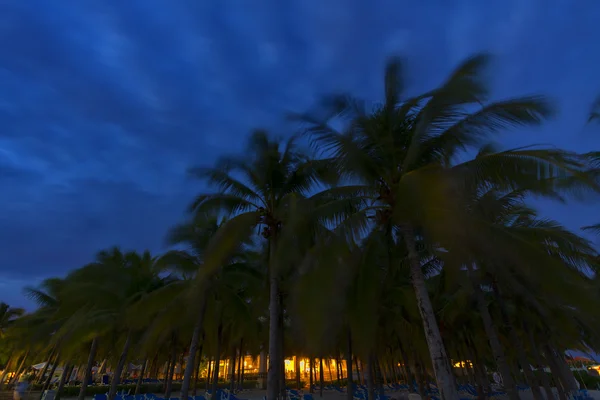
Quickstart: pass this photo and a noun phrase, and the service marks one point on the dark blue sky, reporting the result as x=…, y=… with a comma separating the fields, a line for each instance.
x=103, y=104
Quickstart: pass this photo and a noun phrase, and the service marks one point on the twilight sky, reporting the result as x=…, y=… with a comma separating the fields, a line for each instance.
x=104, y=104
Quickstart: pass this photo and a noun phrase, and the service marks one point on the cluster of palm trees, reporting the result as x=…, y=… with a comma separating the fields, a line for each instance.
x=405, y=239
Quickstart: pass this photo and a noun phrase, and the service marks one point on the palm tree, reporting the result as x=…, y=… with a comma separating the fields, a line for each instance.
x=402, y=158
x=8, y=315
x=275, y=176
x=523, y=241
x=224, y=282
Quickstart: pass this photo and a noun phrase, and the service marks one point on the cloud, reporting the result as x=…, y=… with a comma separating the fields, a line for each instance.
x=104, y=104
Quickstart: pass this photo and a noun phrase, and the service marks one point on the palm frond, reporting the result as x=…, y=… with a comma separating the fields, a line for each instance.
x=592, y=228
x=595, y=111
x=225, y=183
x=474, y=128
x=221, y=202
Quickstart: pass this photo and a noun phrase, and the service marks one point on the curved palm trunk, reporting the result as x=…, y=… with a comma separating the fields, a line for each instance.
x=275, y=361
x=50, y=375
x=490, y=330
x=88, y=369
x=20, y=367
x=63, y=379
x=439, y=357
x=138, y=384
x=349, y=385
x=45, y=369
x=119, y=370
x=189, y=365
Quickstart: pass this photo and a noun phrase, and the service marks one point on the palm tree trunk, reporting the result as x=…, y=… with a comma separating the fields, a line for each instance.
x=357, y=370
x=378, y=375
x=40, y=378
x=370, y=378
x=49, y=379
x=208, y=375
x=138, y=384
x=349, y=384
x=392, y=366
x=297, y=369
x=102, y=368
x=242, y=375
x=565, y=374
x=479, y=378
x=329, y=369
x=407, y=369
x=562, y=395
x=166, y=371
x=275, y=358
x=321, y=376
x=232, y=369
x=155, y=369
x=310, y=373
x=197, y=373
x=439, y=357
x=282, y=374
x=490, y=330
x=20, y=367
x=189, y=365
x=518, y=345
x=382, y=371
x=88, y=369
x=171, y=369
x=240, y=365
x=537, y=357
x=419, y=378
x=215, y=383
x=119, y=370
x=63, y=380
x=6, y=368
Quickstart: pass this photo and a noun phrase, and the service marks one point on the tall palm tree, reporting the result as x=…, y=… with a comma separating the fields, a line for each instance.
x=224, y=282
x=260, y=190
x=403, y=157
